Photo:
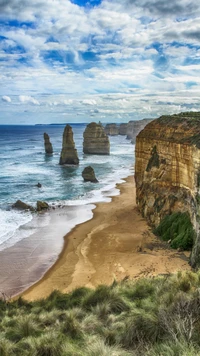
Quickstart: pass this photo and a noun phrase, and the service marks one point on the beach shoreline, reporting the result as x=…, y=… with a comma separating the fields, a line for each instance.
x=116, y=243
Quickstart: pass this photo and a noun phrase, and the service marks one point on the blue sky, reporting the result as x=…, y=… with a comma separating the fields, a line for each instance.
x=108, y=60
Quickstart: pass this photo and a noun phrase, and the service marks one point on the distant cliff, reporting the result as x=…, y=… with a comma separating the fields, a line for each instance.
x=167, y=171
x=134, y=127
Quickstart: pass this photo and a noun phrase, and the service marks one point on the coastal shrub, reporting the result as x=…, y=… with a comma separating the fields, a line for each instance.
x=156, y=316
x=140, y=328
x=105, y=294
x=48, y=344
x=178, y=228
x=6, y=347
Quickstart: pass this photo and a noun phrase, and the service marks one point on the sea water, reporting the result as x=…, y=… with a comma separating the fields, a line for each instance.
x=23, y=164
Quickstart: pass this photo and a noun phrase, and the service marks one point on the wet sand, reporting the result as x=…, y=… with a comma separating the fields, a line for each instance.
x=114, y=244
x=22, y=264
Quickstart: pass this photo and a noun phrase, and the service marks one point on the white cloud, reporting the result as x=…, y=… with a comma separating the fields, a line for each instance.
x=28, y=99
x=6, y=98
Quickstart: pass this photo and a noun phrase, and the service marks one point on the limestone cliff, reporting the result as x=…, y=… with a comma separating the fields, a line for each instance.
x=96, y=140
x=134, y=127
x=123, y=129
x=47, y=144
x=167, y=170
x=111, y=129
x=69, y=153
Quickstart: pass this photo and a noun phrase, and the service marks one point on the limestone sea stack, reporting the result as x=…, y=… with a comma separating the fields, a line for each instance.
x=112, y=129
x=123, y=129
x=134, y=127
x=69, y=153
x=167, y=171
x=88, y=175
x=47, y=144
x=95, y=140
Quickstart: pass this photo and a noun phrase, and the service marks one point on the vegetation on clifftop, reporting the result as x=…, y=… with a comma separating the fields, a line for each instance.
x=157, y=316
x=177, y=228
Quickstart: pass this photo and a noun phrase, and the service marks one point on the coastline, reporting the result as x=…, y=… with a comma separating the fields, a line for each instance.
x=114, y=244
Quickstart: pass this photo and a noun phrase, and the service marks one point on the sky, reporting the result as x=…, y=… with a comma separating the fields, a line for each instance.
x=98, y=60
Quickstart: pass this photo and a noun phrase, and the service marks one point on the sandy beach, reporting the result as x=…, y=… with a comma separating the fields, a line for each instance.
x=116, y=243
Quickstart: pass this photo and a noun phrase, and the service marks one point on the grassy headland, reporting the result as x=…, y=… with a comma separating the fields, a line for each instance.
x=155, y=316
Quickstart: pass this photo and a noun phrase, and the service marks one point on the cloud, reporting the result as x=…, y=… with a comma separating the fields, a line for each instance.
x=28, y=99
x=6, y=98
x=117, y=59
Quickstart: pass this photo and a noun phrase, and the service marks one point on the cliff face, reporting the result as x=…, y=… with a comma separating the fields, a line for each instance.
x=96, y=140
x=111, y=129
x=69, y=153
x=134, y=127
x=167, y=170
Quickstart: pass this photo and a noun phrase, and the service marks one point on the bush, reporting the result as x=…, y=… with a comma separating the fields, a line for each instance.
x=178, y=228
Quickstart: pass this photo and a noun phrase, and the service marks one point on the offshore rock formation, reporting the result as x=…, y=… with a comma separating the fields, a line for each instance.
x=69, y=153
x=95, y=140
x=42, y=205
x=20, y=205
x=111, y=129
x=167, y=171
x=134, y=127
x=47, y=144
x=89, y=175
x=123, y=129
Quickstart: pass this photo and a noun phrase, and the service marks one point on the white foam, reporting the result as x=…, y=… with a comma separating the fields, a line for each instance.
x=10, y=221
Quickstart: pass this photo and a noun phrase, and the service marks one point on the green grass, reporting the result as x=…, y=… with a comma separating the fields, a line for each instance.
x=178, y=228
x=157, y=316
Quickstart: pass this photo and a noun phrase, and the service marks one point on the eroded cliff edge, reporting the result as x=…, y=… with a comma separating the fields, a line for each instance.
x=167, y=171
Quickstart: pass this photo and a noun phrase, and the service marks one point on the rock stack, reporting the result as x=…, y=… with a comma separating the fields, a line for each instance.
x=112, y=129
x=88, y=175
x=69, y=153
x=123, y=129
x=47, y=144
x=96, y=140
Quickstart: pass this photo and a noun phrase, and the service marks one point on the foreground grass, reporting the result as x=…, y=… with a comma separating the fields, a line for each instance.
x=148, y=317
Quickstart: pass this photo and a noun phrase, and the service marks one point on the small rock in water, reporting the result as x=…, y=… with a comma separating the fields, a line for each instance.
x=22, y=206
x=39, y=185
x=89, y=175
x=42, y=205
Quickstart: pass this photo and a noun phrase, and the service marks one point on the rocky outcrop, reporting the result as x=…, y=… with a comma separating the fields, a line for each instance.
x=20, y=205
x=95, y=140
x=112, y=129
x=134, y=127
x=47, y=144
x=69, y=153
x=42, y=205
x=167, y=171
x=123, y=129
x=88, y=175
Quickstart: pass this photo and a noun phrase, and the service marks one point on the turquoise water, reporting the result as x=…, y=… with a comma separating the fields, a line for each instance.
x=23, y=164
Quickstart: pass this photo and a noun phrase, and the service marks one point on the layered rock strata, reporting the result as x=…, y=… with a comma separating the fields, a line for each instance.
x=167, y=171
x=123, y=129
x=88, y=175
x=95, y=140
x=112, y=129
x=69, y=153
x=134, y=127
x=47, y=144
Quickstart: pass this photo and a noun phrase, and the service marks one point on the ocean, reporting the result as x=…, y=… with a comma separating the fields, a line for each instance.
x=23, y=164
